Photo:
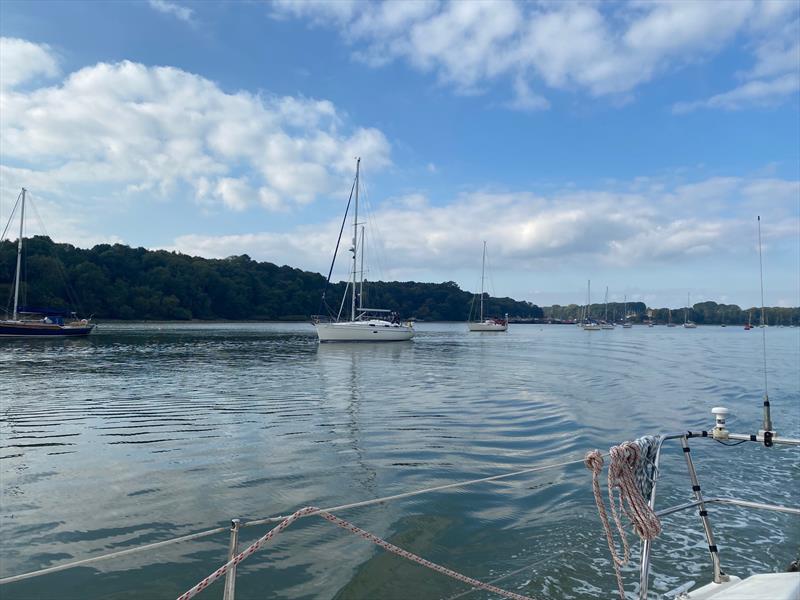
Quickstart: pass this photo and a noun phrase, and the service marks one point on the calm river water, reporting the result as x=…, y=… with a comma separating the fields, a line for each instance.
x=148, y=431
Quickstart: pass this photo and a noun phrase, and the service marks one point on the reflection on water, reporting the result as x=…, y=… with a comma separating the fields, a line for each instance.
x=144, y=432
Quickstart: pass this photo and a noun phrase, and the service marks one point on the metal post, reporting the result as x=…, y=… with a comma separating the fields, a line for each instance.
x=233, y=550
x=719, y=575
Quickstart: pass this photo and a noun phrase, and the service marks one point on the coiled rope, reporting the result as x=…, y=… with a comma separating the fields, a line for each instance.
x=312, y=510
x=624, y=495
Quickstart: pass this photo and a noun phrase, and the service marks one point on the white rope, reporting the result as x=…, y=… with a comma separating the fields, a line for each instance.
x=446, y=486
x=88, y=561
x=341, y=507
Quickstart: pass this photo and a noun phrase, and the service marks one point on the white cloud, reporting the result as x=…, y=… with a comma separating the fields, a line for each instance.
x=567, y=228
x=136, y=129
x=603, y=49
x=22, y=61
x=184, y=13
x=753, y=93
x=775, y=76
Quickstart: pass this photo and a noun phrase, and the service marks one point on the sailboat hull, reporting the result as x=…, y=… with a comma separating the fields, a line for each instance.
x=38, y=329
x=357, y=331
x=488, y=326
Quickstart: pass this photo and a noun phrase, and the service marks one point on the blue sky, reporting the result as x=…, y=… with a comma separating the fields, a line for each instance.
x=628, y=143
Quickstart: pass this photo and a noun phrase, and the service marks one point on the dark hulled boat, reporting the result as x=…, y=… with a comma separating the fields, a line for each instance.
x=38, y=322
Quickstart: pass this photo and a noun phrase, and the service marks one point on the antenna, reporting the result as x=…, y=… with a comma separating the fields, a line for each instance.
x=767, y=417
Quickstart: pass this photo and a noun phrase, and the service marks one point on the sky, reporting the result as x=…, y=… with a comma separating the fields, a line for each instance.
x=632, y=144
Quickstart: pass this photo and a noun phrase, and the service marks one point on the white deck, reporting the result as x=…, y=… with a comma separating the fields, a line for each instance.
x=772, y=586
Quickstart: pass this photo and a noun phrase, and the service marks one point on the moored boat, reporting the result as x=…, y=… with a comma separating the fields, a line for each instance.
x=492, y=323
x=37, y=322
x=364, y=324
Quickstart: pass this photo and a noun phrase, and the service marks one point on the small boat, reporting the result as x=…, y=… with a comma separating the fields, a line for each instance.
x=492, y=323
x=38, y=322
x=669, y=318
x=748, y=326
x=364, y=324
x=686, y=322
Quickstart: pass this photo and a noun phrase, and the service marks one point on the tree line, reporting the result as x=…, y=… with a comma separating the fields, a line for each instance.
x=120, y=282
x=703, y=313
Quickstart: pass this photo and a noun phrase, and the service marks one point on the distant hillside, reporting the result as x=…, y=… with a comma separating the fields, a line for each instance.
x=120, y=282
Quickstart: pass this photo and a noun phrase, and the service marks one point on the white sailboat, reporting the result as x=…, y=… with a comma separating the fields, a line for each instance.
x=364, y=324
x=484, y=324
x=625, y=321
x=588, y=323
x=686, y=322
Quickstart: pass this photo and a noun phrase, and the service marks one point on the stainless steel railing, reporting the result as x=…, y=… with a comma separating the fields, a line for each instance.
x=701, y=502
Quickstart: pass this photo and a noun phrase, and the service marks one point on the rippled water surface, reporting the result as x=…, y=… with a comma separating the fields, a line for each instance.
x=145, y=432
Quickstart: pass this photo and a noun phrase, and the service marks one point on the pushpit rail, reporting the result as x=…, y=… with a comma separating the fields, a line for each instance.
x=719, y=433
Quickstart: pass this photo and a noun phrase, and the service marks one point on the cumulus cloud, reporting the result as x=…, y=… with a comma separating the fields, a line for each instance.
x=22, y=61
x=184, y=13
x=604, y=50
x=137, y=129
x=633, y=224
x=775, y=76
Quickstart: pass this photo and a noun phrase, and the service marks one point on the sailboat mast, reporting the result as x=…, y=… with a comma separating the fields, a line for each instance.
x=606, y=301
x=19, y=255
x=483, y=271
x=361, y=282
x=589, y=300
x=686, y=310
x=355, y=244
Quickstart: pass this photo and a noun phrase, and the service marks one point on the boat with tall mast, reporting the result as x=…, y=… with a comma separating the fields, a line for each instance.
x=364, y=324
x=605, y=323
x=686, y=322
x=27, y=321
x=483, y=323
x=589, y=324
x=626, y=322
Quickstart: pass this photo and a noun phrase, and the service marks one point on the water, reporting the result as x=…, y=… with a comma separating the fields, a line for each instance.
x=144, y=432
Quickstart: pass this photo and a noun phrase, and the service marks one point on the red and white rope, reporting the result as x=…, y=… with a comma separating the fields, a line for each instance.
x=623, y=496
x=389, y=547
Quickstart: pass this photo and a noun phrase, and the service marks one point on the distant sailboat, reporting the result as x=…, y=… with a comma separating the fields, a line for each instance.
x=589, y=324
x=362, y=326
x=669, y=318
x=686, y=322
x=625, y=321
x=605, y=323
x=49, y=322
x=487, y=324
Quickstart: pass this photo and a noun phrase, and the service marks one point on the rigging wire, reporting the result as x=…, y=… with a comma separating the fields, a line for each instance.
x=72, y=296
x=763, y=319
x=8, y=224
x=336, y=251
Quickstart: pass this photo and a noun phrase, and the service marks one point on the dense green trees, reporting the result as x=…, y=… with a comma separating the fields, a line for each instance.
x=119, y=282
